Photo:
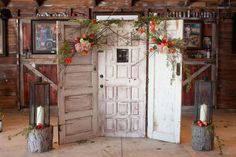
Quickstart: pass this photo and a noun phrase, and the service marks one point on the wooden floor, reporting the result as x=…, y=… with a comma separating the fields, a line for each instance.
x=225, y=122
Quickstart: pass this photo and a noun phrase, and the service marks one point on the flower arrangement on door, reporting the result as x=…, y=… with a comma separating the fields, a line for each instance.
x=153, y=28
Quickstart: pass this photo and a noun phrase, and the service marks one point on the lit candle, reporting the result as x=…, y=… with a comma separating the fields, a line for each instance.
x=203, y=113
x=40, y=115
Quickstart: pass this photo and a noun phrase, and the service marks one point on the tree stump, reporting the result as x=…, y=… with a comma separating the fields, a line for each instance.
x=40, y=140
x=202, y=137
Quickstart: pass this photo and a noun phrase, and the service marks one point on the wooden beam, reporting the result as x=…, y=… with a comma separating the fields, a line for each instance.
x=194, y=75
x=186, y=3
x=5, y=2
x=39, y=74
x=97, y=2
x=39, y=2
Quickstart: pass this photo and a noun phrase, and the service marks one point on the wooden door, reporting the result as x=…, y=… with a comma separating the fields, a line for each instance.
x=122, y=80
x=164, y=98
x=77, y=92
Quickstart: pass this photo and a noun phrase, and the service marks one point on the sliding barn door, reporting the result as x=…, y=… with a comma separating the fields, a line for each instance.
x=77, y=91
x=122, y=83
x=164, y=98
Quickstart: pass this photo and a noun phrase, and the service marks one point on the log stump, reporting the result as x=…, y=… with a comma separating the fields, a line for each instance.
x=202, y=138
x=40, y=140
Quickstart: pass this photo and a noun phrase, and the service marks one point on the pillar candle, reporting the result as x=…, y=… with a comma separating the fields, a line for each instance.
x=40, y=115
x=203, y=112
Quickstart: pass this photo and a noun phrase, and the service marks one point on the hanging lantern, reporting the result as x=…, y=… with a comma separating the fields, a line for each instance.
x=203, y=103
x=39, y=104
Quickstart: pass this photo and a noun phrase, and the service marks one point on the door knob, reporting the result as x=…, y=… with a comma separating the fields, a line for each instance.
x=101, y=76
x=101, y=86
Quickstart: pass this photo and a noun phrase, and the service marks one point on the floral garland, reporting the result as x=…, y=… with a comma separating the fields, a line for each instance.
x=154, y=26
x=159, y=42
x=83, y=44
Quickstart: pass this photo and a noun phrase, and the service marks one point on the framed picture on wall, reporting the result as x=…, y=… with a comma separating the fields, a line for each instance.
x=207, y=43
x=193, y=34
x=43, y=37
x=2, y=38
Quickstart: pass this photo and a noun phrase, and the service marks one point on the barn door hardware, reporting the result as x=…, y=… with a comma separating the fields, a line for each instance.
x=178, y=69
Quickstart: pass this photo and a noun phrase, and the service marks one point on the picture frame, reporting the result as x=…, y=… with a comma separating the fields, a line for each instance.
x=3, y=33
x=207, y=42
x=43, y=36
x=192, y=34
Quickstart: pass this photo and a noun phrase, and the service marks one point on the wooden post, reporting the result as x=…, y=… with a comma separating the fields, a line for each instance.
x=202, y=137
x=40, y=140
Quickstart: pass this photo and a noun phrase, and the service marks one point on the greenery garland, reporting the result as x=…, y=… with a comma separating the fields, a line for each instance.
x=93, y=33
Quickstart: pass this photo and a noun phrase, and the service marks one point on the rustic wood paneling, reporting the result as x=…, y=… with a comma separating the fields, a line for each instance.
x=8, y=85
x=9, y=70
x=49, y=71
x=227, y=67
x=188, y=96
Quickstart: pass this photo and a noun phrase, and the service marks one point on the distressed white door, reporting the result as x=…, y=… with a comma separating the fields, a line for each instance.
x=77, y=91
x=121, y=84
x=164, y=98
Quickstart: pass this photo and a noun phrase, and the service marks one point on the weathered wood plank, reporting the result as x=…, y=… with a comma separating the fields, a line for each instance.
x=197, y=73
x=39, y=74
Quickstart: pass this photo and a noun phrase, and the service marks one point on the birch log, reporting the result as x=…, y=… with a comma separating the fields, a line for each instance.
x=202, y=137
x=40, y=140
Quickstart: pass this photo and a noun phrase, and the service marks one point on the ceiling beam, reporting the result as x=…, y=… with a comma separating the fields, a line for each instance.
x=39, y=2
x=224, y=2
x=97, y=2
x=5, y=2
x=186, y=2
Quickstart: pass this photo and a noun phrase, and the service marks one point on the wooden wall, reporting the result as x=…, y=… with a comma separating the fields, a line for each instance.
x=9, y=70
x=226, y=94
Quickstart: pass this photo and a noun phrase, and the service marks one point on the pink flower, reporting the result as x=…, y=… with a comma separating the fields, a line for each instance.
x=78, y=47
x=84, y=35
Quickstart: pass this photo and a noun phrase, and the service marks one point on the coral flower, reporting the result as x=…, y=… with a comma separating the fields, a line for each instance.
x=173, y=43
x=153, y=24
x=84, y=35
x=165, y=42
x=153, y=29
x=141, y=30
x=84, y=52
x=68, y=60
x=151, y=49
x=154, y=40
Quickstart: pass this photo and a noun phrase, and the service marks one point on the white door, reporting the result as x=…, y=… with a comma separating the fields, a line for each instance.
x=77, y=91
x=121, y=84
x=164, y=98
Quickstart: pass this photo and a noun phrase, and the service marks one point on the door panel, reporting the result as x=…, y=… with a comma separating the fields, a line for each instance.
x=164, y=98
x=77, y=92
x=122, y=82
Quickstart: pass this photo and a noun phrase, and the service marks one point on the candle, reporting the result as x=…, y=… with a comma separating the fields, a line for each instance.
x=203, y=113
x=40, y=115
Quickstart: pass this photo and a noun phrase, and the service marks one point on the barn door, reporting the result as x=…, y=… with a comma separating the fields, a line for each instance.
x=122, y=79
x=164, y=98
x=77, y=91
